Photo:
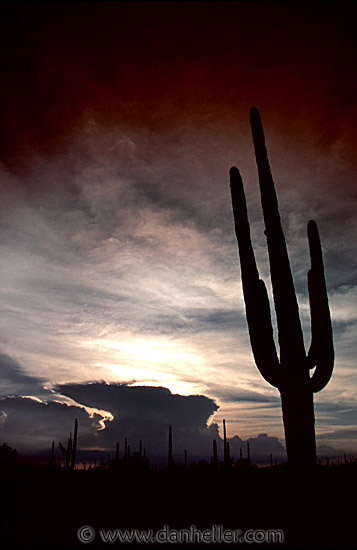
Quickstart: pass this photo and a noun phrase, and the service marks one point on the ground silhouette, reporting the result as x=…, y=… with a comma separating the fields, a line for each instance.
x=44, y=506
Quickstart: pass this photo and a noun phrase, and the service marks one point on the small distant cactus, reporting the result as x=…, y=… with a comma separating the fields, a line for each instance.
x=69, y=452
x=225, y=454
x=289, y=373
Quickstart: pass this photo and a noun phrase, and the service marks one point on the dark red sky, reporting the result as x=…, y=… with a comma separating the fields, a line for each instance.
x=154, y=63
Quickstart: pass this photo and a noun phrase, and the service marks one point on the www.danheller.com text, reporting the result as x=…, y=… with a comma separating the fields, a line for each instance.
x=216, y=534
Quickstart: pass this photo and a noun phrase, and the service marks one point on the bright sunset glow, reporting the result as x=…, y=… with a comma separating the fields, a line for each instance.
x=151, y=351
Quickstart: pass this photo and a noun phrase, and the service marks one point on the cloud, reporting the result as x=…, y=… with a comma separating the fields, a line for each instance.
x=262, y=445
x=29, y=424
x=236, y=394
x=14, y=381
x=339, y=434
x=326, y=451
x=338, y=413
x=142, y=412
x=146, y=412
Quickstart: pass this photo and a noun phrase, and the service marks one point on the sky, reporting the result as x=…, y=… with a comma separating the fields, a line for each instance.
x=120, y=291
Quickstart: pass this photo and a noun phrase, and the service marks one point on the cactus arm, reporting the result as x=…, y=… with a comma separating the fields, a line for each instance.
x=289, y=327
x=321, y=353
x=254, y=290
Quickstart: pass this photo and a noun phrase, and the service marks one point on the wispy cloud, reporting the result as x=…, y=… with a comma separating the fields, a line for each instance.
x=119, y=263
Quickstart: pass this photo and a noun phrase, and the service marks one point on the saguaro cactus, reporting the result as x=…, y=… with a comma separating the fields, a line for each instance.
x=291, y=372
x=224, y=442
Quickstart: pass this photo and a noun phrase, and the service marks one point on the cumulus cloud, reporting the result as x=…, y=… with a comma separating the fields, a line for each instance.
x=262, y=445
x=146, y=413
x=29, y=424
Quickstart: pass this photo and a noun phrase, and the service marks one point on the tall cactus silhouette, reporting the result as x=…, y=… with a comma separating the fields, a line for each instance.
x=291, y=372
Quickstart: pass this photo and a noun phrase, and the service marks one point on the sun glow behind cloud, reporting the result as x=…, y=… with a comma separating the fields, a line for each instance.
x=159, y=362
